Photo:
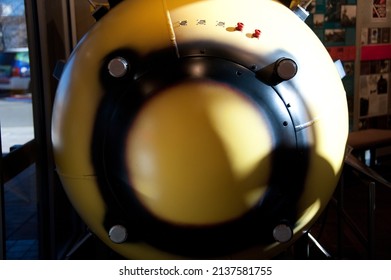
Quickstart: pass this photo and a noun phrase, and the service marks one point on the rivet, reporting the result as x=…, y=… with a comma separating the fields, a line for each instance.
x=118, y=67
x=286, y=69
x=282, y=233
x=118, y=234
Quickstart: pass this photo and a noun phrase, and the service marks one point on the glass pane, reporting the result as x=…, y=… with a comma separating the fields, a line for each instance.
x=16, y=117
x=21, y=216
x=16, y=122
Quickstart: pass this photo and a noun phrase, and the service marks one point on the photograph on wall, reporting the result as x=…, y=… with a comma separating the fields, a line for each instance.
x=334, y=35
x=385, y=35
x=374, y=87
x=318, y=20
x=333, y=11
x=348, y=83
x=348, y=15
x=379, y=10
x=334, y=21
x=370, y=36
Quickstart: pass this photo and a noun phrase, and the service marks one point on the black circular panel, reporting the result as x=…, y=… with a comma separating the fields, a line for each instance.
x=123, y=101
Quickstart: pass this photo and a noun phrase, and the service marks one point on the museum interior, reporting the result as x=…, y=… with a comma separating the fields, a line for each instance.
x=194, y=129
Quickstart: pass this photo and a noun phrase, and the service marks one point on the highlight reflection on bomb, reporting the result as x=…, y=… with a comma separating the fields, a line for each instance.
x=204, y=128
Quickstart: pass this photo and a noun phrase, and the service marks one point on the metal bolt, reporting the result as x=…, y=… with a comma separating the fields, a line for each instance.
x=118, y=234
x=118, y=67
x=282, y=233
x=286, y=68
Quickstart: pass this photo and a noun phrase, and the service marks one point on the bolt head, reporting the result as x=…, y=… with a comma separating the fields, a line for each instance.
x=118, y=234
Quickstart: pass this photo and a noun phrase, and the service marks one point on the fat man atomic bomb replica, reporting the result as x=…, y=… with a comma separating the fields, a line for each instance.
x=190, y=129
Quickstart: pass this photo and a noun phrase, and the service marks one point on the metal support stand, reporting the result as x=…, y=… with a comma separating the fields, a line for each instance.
x=373, y=178
x=371, y=219
x=302, y=247
x=319, y=246
x=76, y=247
x=340, y=212
x=2, y=208
x=369, y=239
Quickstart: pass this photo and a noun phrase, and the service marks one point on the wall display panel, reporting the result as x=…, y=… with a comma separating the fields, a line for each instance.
x=358, y=32
x=375, y=57
x=374, y=89
x=334, y=22
x=379, y=10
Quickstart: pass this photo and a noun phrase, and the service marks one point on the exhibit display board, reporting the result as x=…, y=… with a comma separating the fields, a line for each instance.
x=357, y=32
x=375, y=57
x=334, y=22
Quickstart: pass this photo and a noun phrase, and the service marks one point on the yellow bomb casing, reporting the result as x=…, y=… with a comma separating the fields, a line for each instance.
x=196, y=131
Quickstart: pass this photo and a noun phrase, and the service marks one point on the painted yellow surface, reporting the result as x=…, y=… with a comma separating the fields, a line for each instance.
x=148, y=26
x=204, y=146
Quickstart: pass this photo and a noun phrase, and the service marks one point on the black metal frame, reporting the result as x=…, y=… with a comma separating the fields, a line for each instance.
x=372, y=179
x=58, y=224
x=2, y=214
x=115, y=116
